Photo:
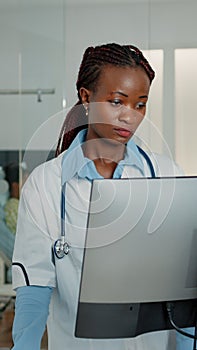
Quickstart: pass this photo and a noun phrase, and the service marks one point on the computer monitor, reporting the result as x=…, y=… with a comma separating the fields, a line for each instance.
x=140, y=253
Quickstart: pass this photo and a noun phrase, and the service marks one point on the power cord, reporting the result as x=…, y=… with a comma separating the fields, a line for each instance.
x=4, y=305
x=169, y=308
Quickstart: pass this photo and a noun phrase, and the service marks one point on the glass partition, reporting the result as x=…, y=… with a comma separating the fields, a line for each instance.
x=31, y=93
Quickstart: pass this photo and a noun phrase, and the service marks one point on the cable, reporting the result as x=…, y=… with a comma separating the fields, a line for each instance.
x=4, y=305
x=169, y=307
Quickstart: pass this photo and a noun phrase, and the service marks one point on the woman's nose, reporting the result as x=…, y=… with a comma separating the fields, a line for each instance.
x=128, y=115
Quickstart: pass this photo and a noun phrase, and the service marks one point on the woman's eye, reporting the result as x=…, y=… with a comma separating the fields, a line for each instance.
x=141, y=105
x=116, y=102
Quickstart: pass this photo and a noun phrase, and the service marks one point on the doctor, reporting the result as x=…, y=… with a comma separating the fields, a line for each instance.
x=113, y=88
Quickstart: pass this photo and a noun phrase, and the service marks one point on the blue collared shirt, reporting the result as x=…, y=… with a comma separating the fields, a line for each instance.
x=75, y=163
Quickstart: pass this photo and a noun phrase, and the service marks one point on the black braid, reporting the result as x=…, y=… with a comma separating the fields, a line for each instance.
x=93, y=61
x=95, y=58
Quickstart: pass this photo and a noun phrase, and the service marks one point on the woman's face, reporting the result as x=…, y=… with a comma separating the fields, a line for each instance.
x=119, y=104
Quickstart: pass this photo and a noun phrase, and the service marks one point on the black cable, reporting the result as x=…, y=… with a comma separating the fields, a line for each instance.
x=169, y=307
x=5, y=304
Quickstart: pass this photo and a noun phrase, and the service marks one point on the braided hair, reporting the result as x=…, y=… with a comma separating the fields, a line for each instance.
x=93, y=61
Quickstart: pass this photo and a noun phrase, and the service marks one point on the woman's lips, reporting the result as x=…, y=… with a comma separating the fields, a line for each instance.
x=123, y=132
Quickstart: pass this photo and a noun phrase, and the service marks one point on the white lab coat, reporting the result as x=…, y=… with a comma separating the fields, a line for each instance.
x=39, y=227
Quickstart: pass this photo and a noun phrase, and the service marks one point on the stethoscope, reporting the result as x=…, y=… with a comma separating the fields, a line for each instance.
x=61, y=247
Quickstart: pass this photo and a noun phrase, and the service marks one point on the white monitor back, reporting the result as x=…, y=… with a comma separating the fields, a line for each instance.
x=141, y=241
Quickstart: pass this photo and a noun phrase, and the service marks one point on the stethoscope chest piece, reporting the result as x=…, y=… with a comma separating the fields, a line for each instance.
x=61, y=248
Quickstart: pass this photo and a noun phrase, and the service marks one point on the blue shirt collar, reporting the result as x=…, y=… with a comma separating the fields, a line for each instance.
x=74, y=163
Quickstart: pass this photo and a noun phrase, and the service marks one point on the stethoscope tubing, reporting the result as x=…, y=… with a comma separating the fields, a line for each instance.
x=147, y=158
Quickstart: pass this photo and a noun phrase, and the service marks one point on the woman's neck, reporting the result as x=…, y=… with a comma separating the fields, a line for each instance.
x=103, y=149
x=105, y=155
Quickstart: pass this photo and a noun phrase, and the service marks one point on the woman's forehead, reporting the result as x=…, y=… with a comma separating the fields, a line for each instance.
x=115, y=77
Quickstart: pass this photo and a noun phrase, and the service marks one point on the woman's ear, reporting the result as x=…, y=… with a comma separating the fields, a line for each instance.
x=85, y=95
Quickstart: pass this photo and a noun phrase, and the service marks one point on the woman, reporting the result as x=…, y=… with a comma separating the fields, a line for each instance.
x=113, y=87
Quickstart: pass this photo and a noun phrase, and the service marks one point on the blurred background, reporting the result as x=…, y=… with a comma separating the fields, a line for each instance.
x=42, y=43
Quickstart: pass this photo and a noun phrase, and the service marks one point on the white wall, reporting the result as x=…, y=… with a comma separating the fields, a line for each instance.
x=42, y=44
x=165, y=25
